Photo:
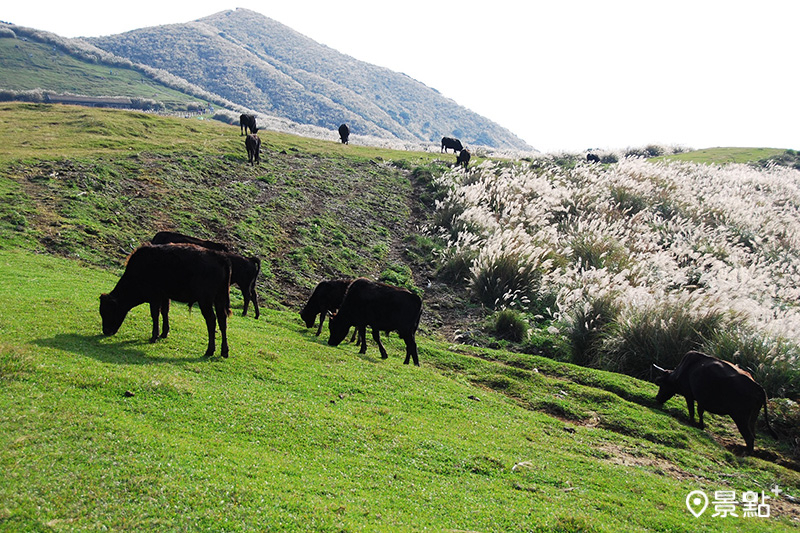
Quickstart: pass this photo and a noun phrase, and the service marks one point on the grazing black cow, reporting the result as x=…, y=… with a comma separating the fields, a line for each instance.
x=326, y=298
x=719, y=387
x=463, y=158
x=156, y=274
x=382, y=307
x=592, y=158
x=244, y=270
x=247, y=122
x=172, y=237
x=344, y=133
x=253, y=145
x=450, y=142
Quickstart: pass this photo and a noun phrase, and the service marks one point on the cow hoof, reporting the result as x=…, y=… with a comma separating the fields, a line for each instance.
x=153, y=340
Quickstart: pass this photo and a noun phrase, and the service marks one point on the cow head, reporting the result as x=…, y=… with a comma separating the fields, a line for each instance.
x=112, y=313
x=308, y=314
x=338, y=329
x=666, y=389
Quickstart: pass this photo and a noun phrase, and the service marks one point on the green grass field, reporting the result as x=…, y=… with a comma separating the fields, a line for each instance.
x=289, y=434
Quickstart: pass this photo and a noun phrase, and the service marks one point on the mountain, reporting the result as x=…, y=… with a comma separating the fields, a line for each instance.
x=262, y=64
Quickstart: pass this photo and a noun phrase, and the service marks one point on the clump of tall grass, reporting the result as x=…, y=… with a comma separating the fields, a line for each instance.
x=773, y=362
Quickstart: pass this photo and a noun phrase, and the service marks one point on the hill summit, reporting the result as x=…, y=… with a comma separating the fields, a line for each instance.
x=264, y=65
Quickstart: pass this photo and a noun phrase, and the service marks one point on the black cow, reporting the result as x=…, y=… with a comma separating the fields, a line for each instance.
x=463, y=158
x=247, y=122
x=253, y=145
x=244, y=270
x=156, y=274
x=719, y=387
x=344, y=133
x=326, y=298
x=450, y=142
x=592, y=158
x=172, y=237
x=382, y=307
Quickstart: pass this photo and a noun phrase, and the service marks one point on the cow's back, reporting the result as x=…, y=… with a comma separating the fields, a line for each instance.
x=181, y=272
x=381, y=306
x=718, y=385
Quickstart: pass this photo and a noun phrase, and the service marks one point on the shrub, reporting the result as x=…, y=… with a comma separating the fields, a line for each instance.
x=772, y=362
x=587, y=326
x=505, y=279
x=657, y=335
x=510, y=325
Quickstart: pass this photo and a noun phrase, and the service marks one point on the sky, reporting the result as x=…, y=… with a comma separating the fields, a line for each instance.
x=566, y=75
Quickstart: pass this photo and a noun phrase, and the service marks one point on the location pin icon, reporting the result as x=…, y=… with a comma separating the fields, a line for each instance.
x=696, y=502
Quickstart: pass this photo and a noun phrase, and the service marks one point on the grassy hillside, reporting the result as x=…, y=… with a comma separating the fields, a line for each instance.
x=288, y=433
x=27, y=65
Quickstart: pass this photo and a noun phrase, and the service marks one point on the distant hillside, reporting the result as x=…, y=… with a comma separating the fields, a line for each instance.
x=263, y=65
x=35, y=65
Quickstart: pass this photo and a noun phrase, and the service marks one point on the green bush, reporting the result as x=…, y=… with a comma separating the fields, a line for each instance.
x=656, y=335
x=510, y=325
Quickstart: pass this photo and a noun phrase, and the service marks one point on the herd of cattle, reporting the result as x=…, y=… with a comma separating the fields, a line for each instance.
x=191, y=270
x=186, y=269
x=252, y=143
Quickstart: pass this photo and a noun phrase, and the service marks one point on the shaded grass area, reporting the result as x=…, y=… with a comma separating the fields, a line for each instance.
x=114, y=432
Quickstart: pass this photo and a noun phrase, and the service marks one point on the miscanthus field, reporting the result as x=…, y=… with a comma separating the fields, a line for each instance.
x=637, y=261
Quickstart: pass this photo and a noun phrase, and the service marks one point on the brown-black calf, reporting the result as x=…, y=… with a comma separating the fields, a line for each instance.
x=156, y=274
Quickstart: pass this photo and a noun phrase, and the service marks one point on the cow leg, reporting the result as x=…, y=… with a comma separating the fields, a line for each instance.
x=411, y=350
x=165, y=318
x=321, y=320
x=690, y=407
x=700, y=423
x=362, y=338
x=254, y=298
x=222, y=318
x=208, y=313
x=376, y=335
x=155, y=312
x=748, y=432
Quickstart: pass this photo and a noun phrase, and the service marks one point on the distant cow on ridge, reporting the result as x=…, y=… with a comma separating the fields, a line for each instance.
x=382, y=307
x=450, y=142
x=718, y=387
x=244, y=270
x=253, y=146
x=247, y=122
x=463, y=158
x=344, y=134
x=156, y=274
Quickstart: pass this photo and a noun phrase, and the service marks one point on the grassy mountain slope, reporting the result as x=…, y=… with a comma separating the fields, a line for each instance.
x=290, y=434
x=257, y=62
x=28, y=64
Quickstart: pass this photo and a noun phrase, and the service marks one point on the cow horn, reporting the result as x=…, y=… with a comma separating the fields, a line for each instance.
x=659, y=368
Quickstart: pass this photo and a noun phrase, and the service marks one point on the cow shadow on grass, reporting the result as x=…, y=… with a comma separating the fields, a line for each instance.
x=107, y=350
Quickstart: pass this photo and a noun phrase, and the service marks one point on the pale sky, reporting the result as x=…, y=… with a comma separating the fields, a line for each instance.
x=562, y=75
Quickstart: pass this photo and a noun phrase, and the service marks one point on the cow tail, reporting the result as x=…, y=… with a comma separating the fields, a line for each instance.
x=766, y=416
